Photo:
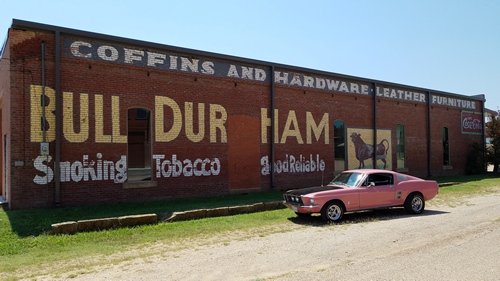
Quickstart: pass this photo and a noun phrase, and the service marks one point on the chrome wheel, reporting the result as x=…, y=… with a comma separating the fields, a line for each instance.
x=417, y=204
x=414, y=204
x=333, y=212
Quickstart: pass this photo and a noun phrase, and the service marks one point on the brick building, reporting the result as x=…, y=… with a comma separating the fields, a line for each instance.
x=88, y=118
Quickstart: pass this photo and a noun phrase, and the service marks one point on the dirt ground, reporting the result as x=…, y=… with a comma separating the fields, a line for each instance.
x=444, y=243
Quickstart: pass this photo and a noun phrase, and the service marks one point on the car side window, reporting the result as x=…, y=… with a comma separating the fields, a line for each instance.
x=381, y=179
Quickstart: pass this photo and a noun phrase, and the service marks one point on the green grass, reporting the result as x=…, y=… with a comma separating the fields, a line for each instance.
x=26, y=243
x=467, y=185
x=467, y=179
x=25, y=239
x=463, y=187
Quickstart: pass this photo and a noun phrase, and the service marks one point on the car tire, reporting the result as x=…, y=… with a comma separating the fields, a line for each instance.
x=332, y=211
x=414, y=203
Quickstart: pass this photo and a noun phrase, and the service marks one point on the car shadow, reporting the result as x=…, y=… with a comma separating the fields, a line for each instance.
x=363, y=217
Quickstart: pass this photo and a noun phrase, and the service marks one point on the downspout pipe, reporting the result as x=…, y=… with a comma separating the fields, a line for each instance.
x=375, y=125
x=57, y=177
x=44, y=133
x=271, y=162
x=483, y=118
x=429, y=134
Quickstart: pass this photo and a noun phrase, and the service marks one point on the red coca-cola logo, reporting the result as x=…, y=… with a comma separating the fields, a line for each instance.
x=471, y=124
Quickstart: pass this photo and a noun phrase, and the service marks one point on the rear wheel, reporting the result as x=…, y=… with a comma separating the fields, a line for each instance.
x=415, y=203
x=332, y=211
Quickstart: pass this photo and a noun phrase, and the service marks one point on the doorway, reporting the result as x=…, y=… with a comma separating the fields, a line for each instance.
x=139, y=144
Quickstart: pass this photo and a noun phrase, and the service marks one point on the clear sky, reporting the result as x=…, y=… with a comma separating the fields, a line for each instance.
x=445, y=45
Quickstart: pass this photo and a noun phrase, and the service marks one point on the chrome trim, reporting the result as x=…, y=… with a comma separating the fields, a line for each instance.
x=301, y=206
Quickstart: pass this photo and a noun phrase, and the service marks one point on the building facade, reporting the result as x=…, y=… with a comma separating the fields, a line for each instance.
x=89, y=118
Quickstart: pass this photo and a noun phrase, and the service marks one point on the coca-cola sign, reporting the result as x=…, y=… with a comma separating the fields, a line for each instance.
x=472, y=122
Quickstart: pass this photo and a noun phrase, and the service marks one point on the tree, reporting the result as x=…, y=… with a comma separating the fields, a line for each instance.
x=493, y=131
x=475, y=160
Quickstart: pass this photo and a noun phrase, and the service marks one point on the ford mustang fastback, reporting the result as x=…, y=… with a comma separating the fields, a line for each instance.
x=363, y=189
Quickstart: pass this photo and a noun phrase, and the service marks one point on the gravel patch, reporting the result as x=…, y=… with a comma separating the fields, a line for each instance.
x=443, y=243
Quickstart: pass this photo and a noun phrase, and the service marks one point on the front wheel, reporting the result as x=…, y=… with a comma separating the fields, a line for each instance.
x=415, y=204
x=332, y=212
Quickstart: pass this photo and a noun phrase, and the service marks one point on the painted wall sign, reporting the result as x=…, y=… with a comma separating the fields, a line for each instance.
x=401, y=94
x=99, y=169
x=174, y=167
x=89, y=169
x=166, y=61
x=214, y=128
x=452, y=102
x=292, y=131
x=98, y=51
x=472, y=122
x=211, y=121
x=321, y=83
x=360, y=148
x=291, y=164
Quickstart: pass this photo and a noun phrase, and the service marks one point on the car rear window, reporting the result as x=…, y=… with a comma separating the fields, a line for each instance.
x=402, y=177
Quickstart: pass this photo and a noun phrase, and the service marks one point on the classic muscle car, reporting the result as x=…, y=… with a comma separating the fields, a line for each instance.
x=363, y=189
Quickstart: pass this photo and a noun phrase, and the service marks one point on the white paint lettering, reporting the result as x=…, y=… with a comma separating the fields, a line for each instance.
x=154, y=59
x=75, y=49
x=103, y=51
x=293, y=165
x=186, y=168
x=86, y=170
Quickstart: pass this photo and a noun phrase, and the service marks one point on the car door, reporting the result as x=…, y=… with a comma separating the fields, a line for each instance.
x=378, y=191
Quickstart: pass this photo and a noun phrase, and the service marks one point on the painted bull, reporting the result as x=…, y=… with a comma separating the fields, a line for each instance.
x=365, y=151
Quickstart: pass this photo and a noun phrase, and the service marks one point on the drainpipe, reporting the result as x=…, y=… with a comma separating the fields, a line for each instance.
x=483, y=116
x=44, y=134
x=57, y=177
x=375, y=125
x=271, y=161
x=429, y=134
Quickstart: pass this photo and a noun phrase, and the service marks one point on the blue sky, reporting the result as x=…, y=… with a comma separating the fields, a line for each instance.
x=445, y=45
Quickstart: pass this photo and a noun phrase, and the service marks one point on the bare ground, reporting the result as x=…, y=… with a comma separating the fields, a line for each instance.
x=444, y=243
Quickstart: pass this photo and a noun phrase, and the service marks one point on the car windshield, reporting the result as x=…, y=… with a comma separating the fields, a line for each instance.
x=349, y=179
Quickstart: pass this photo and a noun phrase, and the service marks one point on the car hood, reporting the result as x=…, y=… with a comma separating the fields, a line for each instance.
x=308, y=190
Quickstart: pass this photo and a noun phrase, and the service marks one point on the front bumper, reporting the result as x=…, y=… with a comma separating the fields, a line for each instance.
x=305, y=209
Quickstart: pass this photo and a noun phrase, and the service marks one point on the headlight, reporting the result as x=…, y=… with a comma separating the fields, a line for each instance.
x=311, y=200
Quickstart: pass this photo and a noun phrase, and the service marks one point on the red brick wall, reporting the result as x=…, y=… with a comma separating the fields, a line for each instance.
x=236, y=136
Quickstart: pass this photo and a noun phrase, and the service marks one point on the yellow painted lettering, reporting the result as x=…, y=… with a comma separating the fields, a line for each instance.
x=311, y=127
x=218, y=123
x=265, y=123
x=116, y=137
x=291, y=121
x=100, y=137
x=160, y=134
x=68, y=121
x=37, y=112
x=188, y=115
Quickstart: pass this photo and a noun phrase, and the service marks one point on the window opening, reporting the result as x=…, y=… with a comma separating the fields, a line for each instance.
x=339, y=145
x=446, y=147
x=400, y=144
x=139, y=144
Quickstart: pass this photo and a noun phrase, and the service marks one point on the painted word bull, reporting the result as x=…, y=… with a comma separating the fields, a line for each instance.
x=365, y=151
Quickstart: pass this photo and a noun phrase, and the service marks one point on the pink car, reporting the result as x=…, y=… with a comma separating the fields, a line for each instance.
x=362, y=189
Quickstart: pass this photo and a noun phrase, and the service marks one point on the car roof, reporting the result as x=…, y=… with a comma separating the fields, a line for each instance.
x=369, y=171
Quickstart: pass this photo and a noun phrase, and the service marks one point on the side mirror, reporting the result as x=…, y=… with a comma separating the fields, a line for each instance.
x=371, y=184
